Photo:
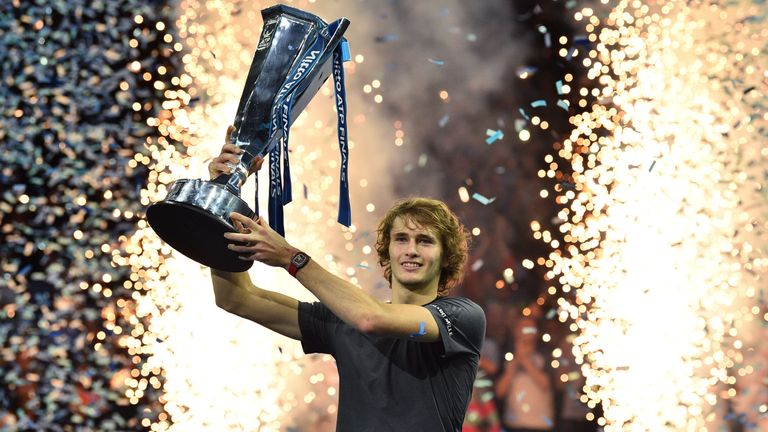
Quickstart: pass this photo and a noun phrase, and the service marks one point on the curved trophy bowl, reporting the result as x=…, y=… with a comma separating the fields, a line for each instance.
x=193, y=218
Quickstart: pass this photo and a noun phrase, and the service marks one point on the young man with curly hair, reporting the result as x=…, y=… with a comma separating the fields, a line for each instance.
x=406, y=365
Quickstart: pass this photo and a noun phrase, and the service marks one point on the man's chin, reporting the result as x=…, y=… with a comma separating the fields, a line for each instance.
x=412, y=284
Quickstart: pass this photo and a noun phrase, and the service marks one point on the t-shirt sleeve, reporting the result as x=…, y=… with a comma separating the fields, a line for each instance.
x=461, y=323
x=317, y=324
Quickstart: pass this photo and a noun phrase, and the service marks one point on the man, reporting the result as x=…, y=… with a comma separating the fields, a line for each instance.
x=524, y=387
x=408, y=365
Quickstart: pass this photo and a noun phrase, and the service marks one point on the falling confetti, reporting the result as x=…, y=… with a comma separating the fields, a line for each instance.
x=77, y=101
x=477, y=265
x=493, y=136
x=482, y=199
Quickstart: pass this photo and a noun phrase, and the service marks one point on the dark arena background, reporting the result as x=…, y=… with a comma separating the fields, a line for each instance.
x=609, y=158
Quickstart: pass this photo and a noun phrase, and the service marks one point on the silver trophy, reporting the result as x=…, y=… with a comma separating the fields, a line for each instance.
x=296, y=53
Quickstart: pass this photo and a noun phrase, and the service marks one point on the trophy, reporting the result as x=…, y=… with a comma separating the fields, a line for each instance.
x=296, y=53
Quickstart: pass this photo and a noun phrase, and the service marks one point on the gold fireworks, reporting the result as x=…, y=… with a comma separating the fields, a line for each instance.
x=664, y=224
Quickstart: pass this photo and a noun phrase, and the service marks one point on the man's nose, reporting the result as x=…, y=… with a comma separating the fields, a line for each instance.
x=410, y=248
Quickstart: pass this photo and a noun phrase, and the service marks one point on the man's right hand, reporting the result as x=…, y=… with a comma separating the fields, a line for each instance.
x=229, y=157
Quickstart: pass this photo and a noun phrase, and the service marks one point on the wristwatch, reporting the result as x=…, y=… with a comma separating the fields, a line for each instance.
x=298, y=261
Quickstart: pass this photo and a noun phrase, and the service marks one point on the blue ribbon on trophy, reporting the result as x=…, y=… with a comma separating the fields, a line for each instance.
x=296, y=53
x=280, y=192
x=341, y=55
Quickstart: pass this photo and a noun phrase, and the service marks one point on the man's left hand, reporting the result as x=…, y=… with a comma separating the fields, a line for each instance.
x=256, y=241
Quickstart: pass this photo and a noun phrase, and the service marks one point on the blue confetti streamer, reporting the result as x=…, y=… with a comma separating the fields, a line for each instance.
x=581, y=40
x=482, y=199
x=493, y=136
x=391, y=37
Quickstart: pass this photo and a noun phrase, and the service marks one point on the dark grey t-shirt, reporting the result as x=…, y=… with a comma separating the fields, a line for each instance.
x=398, y=385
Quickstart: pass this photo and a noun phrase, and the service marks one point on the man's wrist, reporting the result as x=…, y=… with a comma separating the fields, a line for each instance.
x=291, y=251
x=298, y=260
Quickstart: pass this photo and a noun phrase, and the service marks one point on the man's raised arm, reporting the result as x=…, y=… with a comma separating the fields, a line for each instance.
x=354, y=306
x=236, y=294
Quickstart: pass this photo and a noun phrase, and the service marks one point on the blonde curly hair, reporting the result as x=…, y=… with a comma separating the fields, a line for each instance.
x=452, y=234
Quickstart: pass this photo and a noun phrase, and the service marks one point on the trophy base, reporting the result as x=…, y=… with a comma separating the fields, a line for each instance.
x=193, y=219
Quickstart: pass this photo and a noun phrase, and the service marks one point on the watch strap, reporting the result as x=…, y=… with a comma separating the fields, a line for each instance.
x=298, y=261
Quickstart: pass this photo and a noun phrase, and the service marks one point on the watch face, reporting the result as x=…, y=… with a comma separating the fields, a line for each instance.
x=300, y=259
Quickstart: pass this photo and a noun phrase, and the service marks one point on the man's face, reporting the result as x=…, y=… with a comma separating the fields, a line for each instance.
x=415, y=254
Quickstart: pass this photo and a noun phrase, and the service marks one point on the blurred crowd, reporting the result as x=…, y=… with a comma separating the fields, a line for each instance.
x=520, y=386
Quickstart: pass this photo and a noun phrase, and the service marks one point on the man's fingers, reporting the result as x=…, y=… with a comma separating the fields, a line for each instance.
x=230, y=149
x=223, y=164
x=235, y=216
x=248, y=258
x=261, y=222
x=240, y=237
x=238, y=225
x=230, y=129
x=242, y=248
x=246, y=221
x=219, y=168
x=257, y=163
x=228, y=157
